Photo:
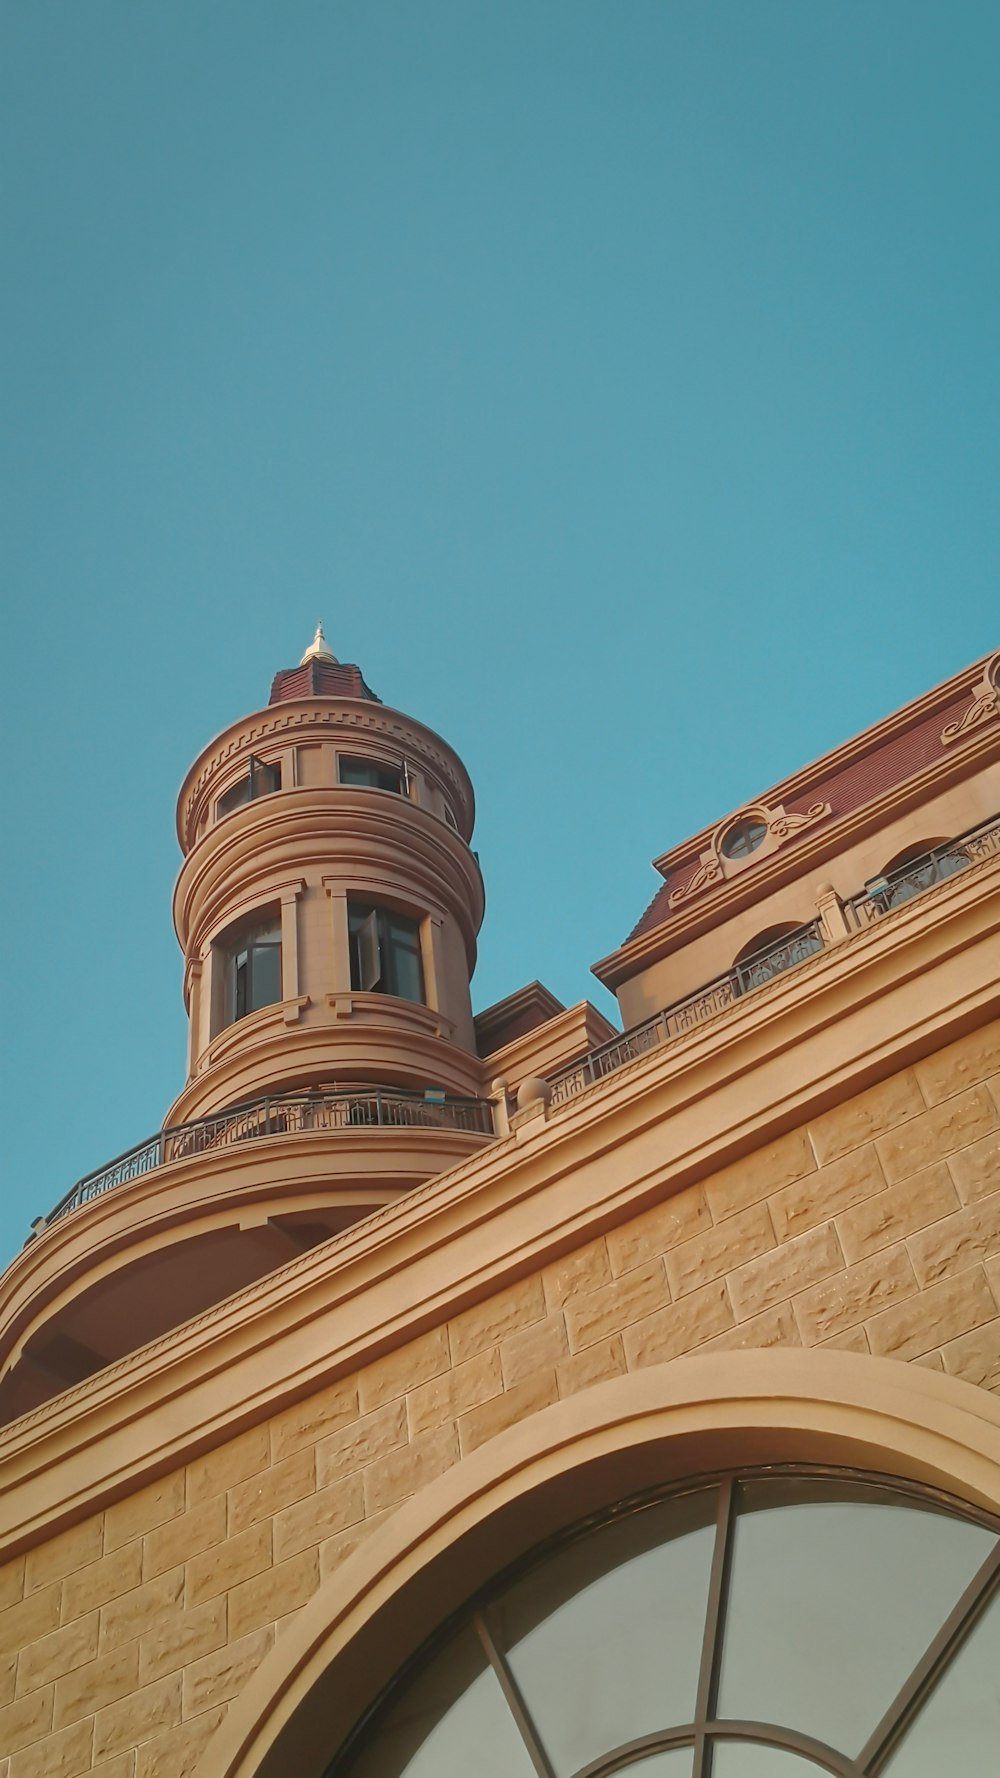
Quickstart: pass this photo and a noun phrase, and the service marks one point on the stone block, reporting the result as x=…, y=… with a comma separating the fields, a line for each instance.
x=11, y=1582
x=491, y=1417
x=262, y=1495
x=364, y=1442
x=759, y=1174
x=121, y=1766
x=975, y=1356
x=394, y=1477
x=853, y=1339
x=180, y=1539
x=976, y=1169
x=937, y=1134
x=100, y=1581
x=101, y=1682
x=306, y=1422
x=226, y=1564
x=137, y=1718
x=139, y=1513
x=270, y=1595
x=821, y=1196
x=776, y=1327
x=62, y=1755
x=317, y=1517
x=224, y=1674
x=47, y=1660
x=959, y=1065
x=786, y=1271
x=233, y=1462
x=896, y=1212
x=658, y=1230
x=335, y=1550
x=64, y=1554
x=137, y=1612
x=729, y=1244
x=31, y=1618
x=854, y=1296
x=577, y=1273
x=592, y=1364
x=607, y=1311
x=934, y=1317
x=181, y=1640
x=534, y=1348
x=866, y=1116
x=679, y=1328
x=486, y=1324
x=400, y=1371
x=177, y=1753
x=444, y=1398
x=26, y=1720
x=8, y=1676
x=958, y=1241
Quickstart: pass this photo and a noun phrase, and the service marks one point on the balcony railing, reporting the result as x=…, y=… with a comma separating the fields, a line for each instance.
x=882, y=895
x=285, y=1115
x=685, y=1015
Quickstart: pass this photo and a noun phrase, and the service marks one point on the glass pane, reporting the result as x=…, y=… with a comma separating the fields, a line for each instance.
x=405, y=974
x=753, y=1759
x=604, y=1639
x=958, y=1729
x=452, y=1721
x=266, y=978
x=835, y=1580
x=674, y=1763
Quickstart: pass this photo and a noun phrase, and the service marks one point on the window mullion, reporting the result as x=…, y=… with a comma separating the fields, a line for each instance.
x=953, y=1632
x=715, y=1611
x=514, y=1700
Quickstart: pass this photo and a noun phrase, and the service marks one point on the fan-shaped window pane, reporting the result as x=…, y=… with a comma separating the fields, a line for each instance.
x=604, y=1640
x=675, y=1762
x=958, y=1730
x=751, y=1759
x=452, y=1722
x=853, y=1587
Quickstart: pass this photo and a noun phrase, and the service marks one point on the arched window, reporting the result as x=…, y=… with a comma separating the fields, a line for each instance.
x=744, y=837
x=772, y=1625
x=918, y=868
x=772, y=952
x=251, y=964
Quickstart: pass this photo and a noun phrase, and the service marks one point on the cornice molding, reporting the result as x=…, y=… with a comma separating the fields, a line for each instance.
x=853, y=1015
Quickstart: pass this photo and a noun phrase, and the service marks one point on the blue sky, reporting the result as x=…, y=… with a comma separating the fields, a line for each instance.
x=618, y=382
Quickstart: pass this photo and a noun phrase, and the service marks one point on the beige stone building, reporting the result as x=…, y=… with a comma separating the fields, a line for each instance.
x=439, y=1394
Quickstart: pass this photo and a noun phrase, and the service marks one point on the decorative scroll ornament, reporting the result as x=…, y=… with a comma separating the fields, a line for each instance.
x=984, y=707
x=715, y=867
x=782, y=824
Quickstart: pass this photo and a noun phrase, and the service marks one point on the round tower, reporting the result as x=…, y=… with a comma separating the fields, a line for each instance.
x=328, y=908
x=329, y=904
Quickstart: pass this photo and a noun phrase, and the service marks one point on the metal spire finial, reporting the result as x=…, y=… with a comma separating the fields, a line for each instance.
x=319, y=649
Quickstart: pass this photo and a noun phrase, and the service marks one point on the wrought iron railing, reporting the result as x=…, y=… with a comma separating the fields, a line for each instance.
x=882, y=895
x=685, y=1015
x=334, y=1108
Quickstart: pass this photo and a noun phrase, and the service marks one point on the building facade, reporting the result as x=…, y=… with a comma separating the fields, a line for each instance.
x=438, y=1390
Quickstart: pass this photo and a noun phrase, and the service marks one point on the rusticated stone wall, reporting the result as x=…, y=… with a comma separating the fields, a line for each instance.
x=876, y=1229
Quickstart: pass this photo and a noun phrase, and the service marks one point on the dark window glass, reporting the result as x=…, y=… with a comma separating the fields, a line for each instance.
x=385, y=952
x=253, y=971
x=771, y=957
x=743, y=838
x=372, y=774
x=907, y=881
x=260, y=780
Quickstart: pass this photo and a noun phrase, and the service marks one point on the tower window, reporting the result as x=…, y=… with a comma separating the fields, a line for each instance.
x=743, y=838
x=260, y=780
x=373, y=775
x=385, y=952
x=252, y=970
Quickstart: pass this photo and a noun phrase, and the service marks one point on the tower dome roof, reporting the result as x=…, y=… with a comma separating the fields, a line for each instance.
x=319, y=674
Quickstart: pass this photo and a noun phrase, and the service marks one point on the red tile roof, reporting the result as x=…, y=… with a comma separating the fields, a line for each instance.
x=319, y=679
